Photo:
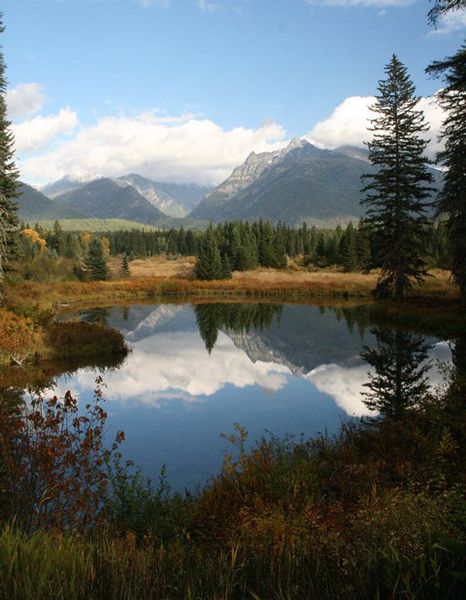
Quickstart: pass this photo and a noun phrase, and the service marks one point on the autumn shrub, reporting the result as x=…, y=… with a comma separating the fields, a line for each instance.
x=54, y=466
x=19, y=337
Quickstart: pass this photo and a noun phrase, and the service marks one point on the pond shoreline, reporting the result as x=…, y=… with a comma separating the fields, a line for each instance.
x=260, y=284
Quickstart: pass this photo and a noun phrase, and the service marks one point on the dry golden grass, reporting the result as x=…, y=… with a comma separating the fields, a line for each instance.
x=161, y=277
x=156, y=266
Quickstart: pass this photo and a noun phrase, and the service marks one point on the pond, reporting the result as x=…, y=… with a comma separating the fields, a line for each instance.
x=196, y=370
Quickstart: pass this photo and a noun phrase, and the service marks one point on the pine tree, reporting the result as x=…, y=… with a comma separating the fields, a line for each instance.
x=58, y=239
x=95, y=264
x=8, y=174
x=396, y=196
x=348, y=249
x=452, y=199
x=125, y=265
x=209, y=262
x=363, y=244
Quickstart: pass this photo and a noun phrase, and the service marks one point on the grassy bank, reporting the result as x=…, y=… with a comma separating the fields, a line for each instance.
x=264, y=283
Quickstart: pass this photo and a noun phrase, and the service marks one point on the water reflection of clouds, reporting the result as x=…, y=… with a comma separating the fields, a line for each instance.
x=343, y=384
x=346, y=384
x=176, y=365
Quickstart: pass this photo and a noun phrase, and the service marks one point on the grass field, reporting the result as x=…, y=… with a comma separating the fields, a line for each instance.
x=161, y=277
x=95, y=225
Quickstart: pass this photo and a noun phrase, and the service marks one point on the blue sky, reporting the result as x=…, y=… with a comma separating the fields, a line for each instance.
x=95, y=85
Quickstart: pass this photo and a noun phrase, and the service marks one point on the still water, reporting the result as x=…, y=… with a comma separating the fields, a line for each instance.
x=194, y=371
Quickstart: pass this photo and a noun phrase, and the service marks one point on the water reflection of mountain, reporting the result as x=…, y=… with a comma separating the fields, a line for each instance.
x=140, y=321
x=304, y=338
x=299, y=337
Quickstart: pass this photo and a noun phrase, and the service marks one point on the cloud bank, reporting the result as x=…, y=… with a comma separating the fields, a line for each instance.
x=179, y=148
x=164, y=148
x=347, y=125
x=451, y=22
x=25, y=99
x=38, y=132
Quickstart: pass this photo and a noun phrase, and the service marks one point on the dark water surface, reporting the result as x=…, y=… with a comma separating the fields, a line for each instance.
x=194, y=371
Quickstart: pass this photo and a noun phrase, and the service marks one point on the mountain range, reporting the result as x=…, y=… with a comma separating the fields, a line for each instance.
x=298, y=183
x=34, y=205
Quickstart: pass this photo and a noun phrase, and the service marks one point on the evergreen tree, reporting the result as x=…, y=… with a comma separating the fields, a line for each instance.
x=95, y=264
x=348, y=249
x=209, y=262
x=398, y=191
x=8, y=174
x=399, y=382
x=452, y=199
x=363, y=245
x=442, y=7
x=58, y=239
x=226, y=267
x=125, y=265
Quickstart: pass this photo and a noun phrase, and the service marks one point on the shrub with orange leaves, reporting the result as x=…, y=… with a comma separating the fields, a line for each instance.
x=55, y=466
x=19, y=337
x=35, y=238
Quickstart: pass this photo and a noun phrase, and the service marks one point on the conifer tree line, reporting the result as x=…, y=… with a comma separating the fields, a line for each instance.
x=233, y=245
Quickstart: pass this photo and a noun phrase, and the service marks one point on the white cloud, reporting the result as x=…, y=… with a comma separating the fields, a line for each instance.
x=345, y=385
x=349, y=121
x=207, y=5
x=36, y=133
x=165, y=148
x=453, y=21
x=25, y=99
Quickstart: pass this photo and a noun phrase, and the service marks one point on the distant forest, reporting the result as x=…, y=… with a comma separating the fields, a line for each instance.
x=234, y=246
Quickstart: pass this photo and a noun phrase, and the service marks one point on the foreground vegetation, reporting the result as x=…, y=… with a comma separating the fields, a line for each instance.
x=378, y=512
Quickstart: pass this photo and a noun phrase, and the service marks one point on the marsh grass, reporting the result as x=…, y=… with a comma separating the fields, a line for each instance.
x=167, y=282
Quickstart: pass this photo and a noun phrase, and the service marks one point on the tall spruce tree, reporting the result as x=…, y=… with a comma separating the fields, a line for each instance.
x=209, y=261
x=8, y=173
x=452, y=198
x=397, y=192
x=95, y=264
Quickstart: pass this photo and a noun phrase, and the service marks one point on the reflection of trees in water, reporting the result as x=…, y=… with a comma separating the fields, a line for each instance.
x=400, y=364
x=98, y=315
x=354, y=316
x=458, y=351
x=125, y=313
x=456, y=394
x=42, y=377
x=240, y=318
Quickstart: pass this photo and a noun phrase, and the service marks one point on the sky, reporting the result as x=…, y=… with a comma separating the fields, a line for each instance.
x=184, y=90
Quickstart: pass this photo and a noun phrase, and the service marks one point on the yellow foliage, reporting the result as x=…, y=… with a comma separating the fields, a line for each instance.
x=31, y=234
x=18, y=336
x=105, y=242
x=34, y=237
x=84, y=238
